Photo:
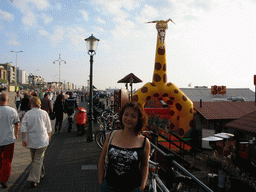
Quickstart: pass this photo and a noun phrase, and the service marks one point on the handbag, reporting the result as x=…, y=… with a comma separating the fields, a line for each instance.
x=52, y=116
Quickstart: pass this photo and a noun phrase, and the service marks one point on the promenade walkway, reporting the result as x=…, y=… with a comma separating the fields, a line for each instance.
x=70, y=163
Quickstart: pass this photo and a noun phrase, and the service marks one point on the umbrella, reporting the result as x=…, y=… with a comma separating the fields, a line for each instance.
x=224, y=135
x=212, y=138
x=131, y=78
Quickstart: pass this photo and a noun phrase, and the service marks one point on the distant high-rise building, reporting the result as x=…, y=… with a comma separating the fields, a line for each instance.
x=22, y=77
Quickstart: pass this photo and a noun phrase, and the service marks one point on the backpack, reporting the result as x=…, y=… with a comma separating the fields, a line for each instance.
x=70, y=104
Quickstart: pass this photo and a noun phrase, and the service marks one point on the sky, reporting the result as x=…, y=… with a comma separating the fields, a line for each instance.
x=213, y=42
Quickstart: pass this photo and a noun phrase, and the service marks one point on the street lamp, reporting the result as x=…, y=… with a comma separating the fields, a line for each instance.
x=91, y=43
x=59, y=60
x=16, y=76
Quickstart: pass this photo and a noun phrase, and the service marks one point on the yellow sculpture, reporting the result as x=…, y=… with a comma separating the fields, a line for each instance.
x=181, y=107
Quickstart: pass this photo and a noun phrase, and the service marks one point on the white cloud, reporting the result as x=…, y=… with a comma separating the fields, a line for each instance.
x=58, y=35
x=13, y=42
x=29, y=19
x=40, y=4
x=76, y=35
x=42, y=32
x=148, y=12
x=47, y=19
x=6, y=16
x=100, y=29
x=85, y=15
x=100, y=20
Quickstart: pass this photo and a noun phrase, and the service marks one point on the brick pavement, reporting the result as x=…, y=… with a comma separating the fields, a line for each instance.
x=70, y=162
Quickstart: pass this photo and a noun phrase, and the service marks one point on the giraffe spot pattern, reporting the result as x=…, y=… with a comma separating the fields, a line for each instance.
x=169, y=102
x=171, y=126
x=169, y=84
x=158, y=66
x=157, y=78
x=152, y=84
x=144, y=90
x=156, y=95
x=178, y=118
x=165, y=95
x=172, y=113
x=191, y=110
x=148, y=98
x=178, y=106
x=135, y=98
x=164, y=67
x=181, y=131
x=165, y=78
x=184, y=98
x=176, y=91
x=172, y=98
x=161, y=51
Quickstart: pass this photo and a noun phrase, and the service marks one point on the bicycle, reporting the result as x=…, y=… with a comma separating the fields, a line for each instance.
x=154, y=183
x=109, y=121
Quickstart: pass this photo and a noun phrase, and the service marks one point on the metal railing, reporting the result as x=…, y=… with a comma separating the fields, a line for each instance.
x=170, y=162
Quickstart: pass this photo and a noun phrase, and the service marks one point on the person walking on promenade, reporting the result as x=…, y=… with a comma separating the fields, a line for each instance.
x=69, y=107
x=9, y=129
x=58, y=109
x=17, y=100
x=46, y=103
x=36, y=134
x=127, y=153
x=25, y=105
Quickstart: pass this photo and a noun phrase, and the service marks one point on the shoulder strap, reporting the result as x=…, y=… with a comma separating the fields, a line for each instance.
x=144, y=143
x=109, y=141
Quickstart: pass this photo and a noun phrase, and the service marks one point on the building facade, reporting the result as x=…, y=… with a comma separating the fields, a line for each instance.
x=11, y=76
x=22, y=77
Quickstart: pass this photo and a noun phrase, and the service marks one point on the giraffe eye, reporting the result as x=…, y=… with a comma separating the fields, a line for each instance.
x=158, y=27
x=165, y=27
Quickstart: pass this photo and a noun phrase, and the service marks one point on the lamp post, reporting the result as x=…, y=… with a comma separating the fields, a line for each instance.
x=91, y=43
x=59, y=60
x=16, y=76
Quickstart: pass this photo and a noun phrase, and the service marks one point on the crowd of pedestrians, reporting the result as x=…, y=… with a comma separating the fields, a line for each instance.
x=32, y=118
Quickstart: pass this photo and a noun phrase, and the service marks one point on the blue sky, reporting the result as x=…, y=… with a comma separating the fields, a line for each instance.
x=213, y=42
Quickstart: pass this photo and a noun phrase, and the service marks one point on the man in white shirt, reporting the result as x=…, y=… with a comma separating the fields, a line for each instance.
x=36, y=134
x=9, y=128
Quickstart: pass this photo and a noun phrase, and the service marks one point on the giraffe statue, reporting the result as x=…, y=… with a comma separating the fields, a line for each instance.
x=180, y=106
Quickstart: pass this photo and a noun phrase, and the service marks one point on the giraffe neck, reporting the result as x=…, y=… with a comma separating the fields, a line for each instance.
x=160, y=73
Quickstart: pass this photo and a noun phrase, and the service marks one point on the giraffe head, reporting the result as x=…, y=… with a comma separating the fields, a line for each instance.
x=161, y=27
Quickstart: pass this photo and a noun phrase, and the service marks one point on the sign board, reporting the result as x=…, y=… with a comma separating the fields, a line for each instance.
x=215, y=90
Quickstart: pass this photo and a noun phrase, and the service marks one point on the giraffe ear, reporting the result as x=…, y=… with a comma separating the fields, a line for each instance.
x=152, y=22
x=169, y=20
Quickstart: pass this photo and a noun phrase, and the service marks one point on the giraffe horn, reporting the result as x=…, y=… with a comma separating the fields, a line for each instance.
x=152, y=22
x=170, y=20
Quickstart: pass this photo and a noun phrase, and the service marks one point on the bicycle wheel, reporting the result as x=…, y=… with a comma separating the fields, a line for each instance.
x=100, y=138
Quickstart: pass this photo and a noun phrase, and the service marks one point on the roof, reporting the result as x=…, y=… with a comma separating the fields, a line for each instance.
x=246, y=123
x=224, y=110
x=128, y=78
x=195, y=94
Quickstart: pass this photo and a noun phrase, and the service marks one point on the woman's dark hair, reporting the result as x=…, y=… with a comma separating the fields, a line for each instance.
x=59, y=97
x=142, y=116
x=25, y=95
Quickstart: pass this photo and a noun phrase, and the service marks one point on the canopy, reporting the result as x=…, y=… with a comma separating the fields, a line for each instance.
x=131, y=78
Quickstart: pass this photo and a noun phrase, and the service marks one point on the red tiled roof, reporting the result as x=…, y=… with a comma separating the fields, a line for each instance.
x=225, y=110
x=246, y=123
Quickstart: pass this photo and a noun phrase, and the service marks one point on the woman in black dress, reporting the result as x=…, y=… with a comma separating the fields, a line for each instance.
x=58, y=109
